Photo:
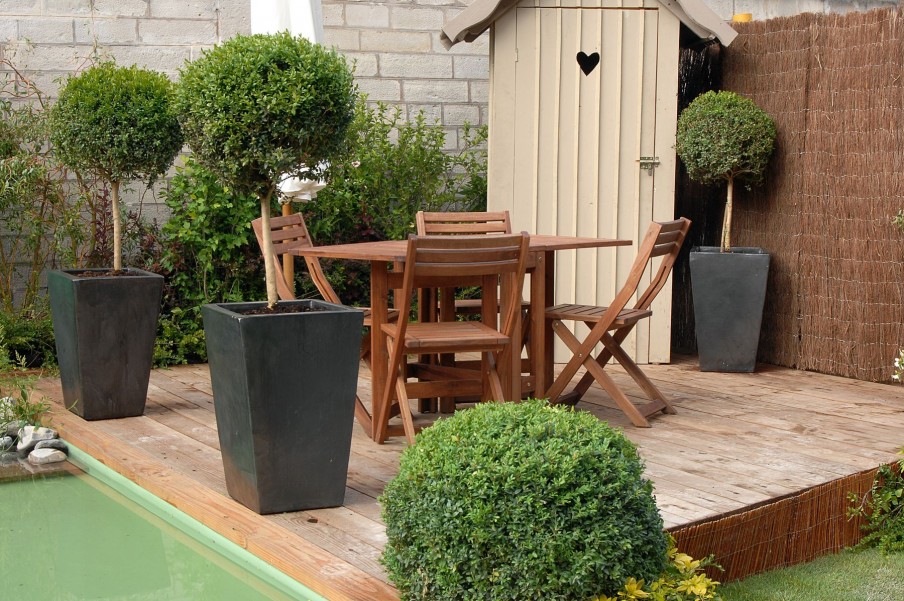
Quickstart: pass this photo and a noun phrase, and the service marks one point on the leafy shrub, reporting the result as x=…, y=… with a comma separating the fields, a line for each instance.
x=883, y=508
x=26, y=338
x=725, y=137
x=206, y=252
x=40, y=222
x=520, y=501
x=389, y=170
x=118, y=123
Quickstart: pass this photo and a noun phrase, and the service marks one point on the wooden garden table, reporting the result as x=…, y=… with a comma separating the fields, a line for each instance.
x=382, y=254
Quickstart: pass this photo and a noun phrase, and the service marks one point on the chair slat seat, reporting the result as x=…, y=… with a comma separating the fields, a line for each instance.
x=591, y=313
x=450, y=336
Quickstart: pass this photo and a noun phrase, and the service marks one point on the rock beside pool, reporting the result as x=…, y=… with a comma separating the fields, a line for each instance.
x=29, y=436
x=54, y=443
x=6, y=443
x=13, y=427
x=46, y=455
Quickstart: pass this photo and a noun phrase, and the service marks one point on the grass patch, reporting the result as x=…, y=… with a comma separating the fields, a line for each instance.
x=863, y=575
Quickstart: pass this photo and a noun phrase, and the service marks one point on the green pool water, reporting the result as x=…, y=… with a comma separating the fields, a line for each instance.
x=96, y=535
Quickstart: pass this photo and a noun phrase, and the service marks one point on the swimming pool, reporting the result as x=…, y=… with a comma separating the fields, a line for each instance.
x=97, y=535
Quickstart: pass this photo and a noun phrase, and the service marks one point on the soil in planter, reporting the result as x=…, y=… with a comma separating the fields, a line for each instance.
x=107, y=273
x=280, y=309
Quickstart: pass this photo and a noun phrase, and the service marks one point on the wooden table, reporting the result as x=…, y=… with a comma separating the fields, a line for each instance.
x=542, y=292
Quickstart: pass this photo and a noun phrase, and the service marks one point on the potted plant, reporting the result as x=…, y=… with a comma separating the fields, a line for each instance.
x=726, y=137
x=119, y=124
x=254, y=110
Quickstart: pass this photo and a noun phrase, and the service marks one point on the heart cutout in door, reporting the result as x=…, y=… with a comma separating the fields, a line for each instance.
x=588, y=63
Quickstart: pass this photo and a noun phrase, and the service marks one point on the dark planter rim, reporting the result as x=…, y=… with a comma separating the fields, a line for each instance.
x=72, y=273
x=735, y=250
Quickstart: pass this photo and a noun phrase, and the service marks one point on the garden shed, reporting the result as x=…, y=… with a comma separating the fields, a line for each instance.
x=583, y=111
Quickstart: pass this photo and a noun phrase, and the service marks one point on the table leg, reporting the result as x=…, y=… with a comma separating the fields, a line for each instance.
x=542, y=292
x=379, y=309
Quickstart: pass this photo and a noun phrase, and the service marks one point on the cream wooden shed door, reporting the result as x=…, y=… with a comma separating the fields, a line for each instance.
x=578, y=95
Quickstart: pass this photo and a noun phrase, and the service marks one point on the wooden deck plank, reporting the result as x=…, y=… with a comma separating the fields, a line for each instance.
x=737, y=441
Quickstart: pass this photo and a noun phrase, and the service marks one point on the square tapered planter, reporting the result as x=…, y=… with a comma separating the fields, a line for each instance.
x=105, y=327
x=729, y=291
x=284, y=396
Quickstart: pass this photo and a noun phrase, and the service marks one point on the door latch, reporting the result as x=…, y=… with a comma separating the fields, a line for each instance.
x=648, y=163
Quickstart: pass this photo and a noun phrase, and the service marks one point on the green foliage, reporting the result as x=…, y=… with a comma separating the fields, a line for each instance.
x=180, y=337
x=520, y=501
x=207, y=253
x=883, y=509
x=118, y=122
x=724, y=136
x=26, y=338
x=389, y=170
x=209, y=250
x=39, y=221
x=259, y=106
x=898, y=220
x=16, y=403
x=684, y=579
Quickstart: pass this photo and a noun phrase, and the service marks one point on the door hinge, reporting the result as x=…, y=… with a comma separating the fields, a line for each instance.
x=648, y=163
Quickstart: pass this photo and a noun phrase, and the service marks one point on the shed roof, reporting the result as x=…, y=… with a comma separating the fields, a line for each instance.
x=477, y=17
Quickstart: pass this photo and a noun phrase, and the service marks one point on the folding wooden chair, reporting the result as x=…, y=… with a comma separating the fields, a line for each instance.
x=465, y=223
x=611, y=325
x=290, y=232
x=490, y=262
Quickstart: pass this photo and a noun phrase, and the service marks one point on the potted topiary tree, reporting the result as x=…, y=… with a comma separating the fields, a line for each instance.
x=119, y=124
x=726, y=137
x=254, y=110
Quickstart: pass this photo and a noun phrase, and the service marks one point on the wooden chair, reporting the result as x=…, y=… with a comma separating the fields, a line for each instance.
x=489, y=262
x=611, y=325
x=290, y=232
x=465, y=223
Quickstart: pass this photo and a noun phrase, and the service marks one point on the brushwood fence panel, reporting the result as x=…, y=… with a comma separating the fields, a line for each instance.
x=835, y=87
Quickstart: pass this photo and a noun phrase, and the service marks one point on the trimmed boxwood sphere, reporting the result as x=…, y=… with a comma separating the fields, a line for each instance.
x=258, y=106
x=520, y=501
x=118, y=122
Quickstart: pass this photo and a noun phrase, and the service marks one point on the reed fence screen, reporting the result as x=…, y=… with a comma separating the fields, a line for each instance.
x=835, y=86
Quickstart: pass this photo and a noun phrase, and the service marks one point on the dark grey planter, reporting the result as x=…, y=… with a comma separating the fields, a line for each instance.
x=729, y=292
x=284, y=396
x=105, y=329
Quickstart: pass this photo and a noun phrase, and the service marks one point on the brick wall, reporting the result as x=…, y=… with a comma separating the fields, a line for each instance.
x=52, y=38
x=399, y=59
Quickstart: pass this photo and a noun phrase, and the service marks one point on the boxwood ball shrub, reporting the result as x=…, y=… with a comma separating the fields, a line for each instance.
x=120, y=124
x=520, y=501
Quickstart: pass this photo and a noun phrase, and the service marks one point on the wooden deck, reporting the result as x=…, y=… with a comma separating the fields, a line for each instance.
x=738, y=440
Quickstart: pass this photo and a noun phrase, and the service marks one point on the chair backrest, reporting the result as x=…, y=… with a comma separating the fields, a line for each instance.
x=472, y=222
x=486, y=261
x=663, y=239
x=289, y=232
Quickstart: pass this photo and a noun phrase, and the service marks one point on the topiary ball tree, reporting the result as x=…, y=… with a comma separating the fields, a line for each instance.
x=260, y=107
x=725, y=136
x=120, y=124
x=520, y=501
